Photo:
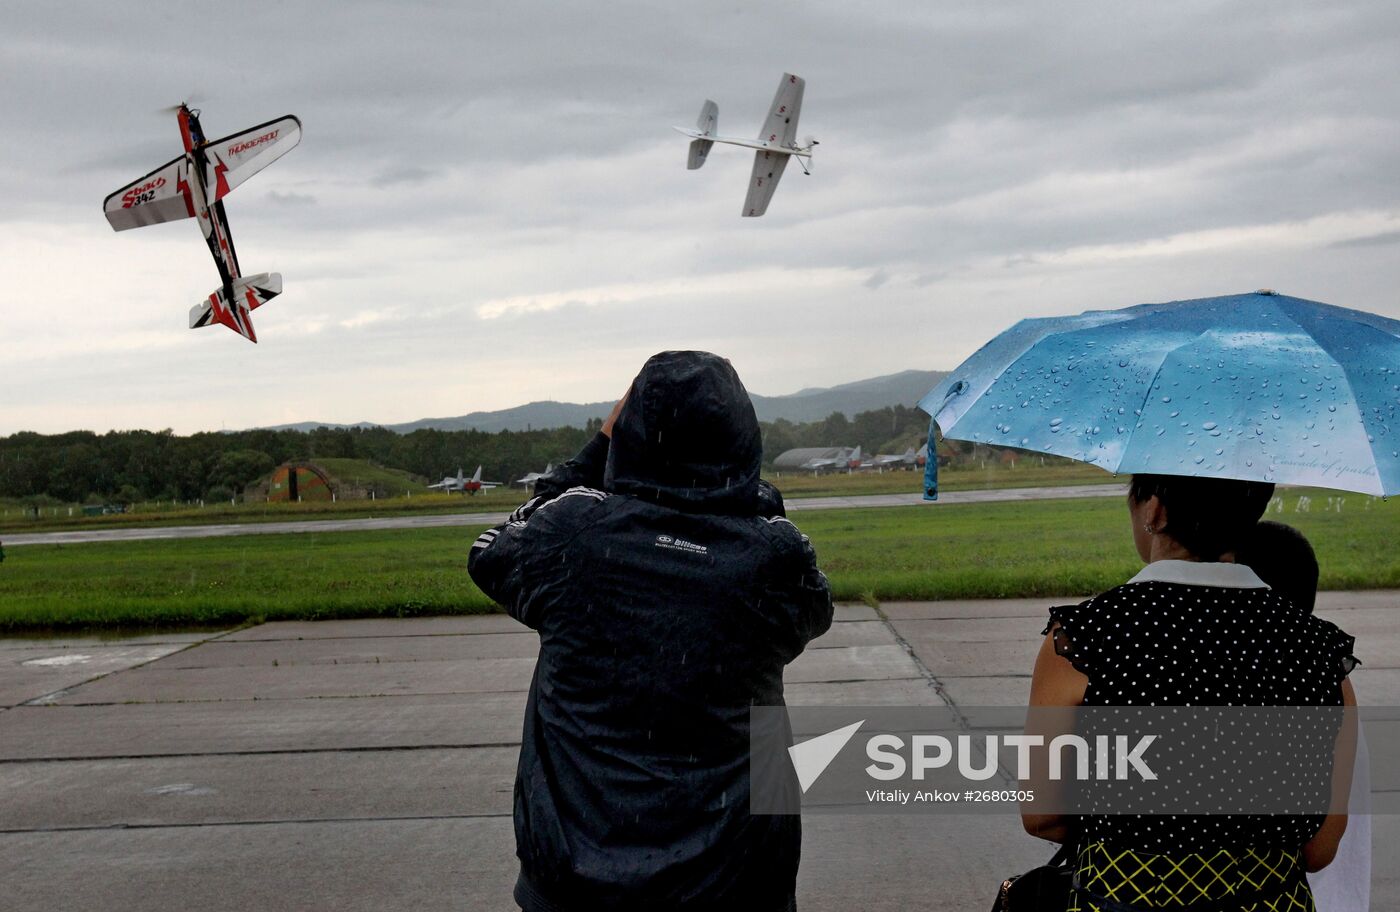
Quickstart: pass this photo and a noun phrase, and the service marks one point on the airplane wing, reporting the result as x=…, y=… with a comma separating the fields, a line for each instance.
x=158, y=197
x=781, y=125
x=233, y=159
x=767, y=171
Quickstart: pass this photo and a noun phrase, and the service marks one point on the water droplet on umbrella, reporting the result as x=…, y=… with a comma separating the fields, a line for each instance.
x=1055, y=422
x=1209, y=426
x=1200, y=459
x=1166, y=398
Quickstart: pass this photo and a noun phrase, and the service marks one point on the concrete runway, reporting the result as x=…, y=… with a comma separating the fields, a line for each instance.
x=147, y=533
x=368, y=765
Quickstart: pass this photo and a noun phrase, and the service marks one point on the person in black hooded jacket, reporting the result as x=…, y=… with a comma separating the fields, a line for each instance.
x=669, y=592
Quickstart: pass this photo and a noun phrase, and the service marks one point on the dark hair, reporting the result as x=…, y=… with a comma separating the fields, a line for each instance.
x=1207, y=516
x=1283, y=558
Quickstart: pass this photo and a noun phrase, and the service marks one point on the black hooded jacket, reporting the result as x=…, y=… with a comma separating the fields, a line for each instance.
x=668, y=592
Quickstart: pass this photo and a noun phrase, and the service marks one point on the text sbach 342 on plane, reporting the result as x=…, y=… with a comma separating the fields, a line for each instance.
x=463, y=485
x=194, y=186
x=776, y=143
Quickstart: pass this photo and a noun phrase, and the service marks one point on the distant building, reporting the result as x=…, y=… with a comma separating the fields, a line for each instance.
x=298, y=481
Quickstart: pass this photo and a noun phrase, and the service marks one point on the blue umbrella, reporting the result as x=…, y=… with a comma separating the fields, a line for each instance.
x=1257, y=386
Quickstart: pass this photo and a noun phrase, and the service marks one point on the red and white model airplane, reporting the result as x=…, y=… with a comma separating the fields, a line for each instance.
x=194, y=186
x=776, y=143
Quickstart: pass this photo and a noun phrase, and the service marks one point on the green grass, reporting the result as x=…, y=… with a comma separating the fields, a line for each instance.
x=1027, y=473
x=1041, y=548
x=239, y=579
x=167, y=515
x=361, y=473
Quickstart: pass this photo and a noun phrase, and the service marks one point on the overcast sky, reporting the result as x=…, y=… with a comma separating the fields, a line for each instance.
x=488, y=206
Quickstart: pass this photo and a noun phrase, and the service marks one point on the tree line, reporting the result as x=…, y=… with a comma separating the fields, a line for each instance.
x=134, y=466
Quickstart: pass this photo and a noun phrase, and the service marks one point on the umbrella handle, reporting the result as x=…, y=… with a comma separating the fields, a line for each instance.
x=931, y=463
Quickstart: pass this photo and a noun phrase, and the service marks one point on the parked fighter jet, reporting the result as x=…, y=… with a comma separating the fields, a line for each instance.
x=529, y=478
x=463, y=485
x=883, y=461
x=194, y=186
x=776, y=143
x=848, y=460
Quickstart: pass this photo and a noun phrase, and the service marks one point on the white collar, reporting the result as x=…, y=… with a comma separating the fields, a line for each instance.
x=1200, y=573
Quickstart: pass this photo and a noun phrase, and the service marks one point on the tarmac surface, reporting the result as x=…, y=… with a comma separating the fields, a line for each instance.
x=219, y=530
x=368, y=765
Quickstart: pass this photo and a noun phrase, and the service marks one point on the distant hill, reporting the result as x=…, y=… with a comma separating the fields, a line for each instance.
x=812, y=404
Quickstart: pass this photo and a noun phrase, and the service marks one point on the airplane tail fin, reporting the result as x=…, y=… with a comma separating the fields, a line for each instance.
x=699, y=149
x=249, y=293
x=707, y=123
x=709, y=118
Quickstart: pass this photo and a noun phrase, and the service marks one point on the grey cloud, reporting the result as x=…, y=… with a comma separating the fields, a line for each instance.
x=1384, y=239
x=291, y=198
x=466, y=151
x=405, y=174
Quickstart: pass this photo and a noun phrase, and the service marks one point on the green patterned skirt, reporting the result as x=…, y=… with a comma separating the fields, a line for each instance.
x=1248, y=880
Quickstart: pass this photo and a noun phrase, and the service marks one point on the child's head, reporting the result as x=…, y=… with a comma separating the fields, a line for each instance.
x=1282, y=557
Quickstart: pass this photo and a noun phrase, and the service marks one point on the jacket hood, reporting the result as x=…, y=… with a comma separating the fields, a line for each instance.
x=687, y=437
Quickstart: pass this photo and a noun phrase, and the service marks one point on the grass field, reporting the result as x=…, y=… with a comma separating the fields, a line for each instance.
x=1042, y=548
x=422, y=502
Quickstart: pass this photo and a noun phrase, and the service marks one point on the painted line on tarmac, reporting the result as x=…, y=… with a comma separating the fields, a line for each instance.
x=268, y=752
x=222, y=530
x=293, y=821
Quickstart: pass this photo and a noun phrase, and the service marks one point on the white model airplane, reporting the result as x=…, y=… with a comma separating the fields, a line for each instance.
x=194, y=186
x=776, y=143
x=529, y=478
x=464, y=485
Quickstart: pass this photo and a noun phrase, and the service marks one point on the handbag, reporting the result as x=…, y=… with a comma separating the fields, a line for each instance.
x=1042, y=889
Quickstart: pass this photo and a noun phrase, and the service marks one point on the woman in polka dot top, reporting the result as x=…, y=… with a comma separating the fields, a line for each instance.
x=1194, y=628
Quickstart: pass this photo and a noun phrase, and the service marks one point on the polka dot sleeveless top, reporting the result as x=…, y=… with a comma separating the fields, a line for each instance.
x=1163, y=641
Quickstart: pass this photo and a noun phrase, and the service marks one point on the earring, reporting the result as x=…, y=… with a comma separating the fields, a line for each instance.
x=1148, y=529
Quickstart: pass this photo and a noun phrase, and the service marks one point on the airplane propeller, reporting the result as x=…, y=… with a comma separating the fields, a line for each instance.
x=190, y=101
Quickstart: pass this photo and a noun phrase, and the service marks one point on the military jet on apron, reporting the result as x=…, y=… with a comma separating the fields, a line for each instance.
x=464, y=485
